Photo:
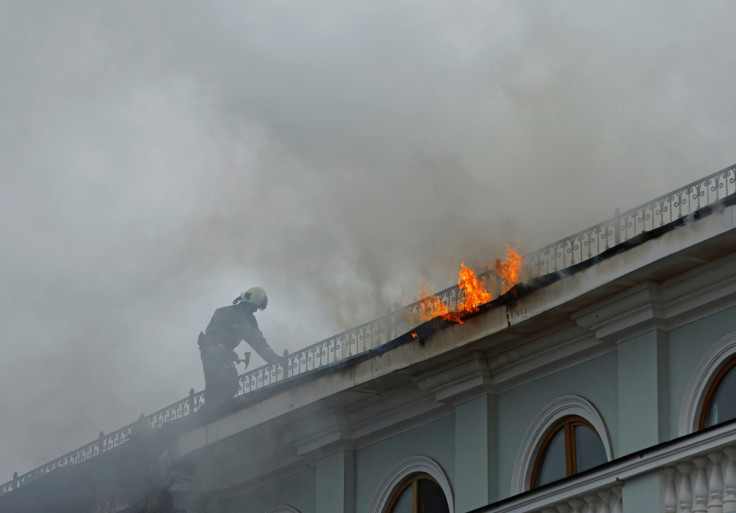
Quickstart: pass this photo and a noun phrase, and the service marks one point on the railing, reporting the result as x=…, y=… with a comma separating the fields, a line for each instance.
x=103, y=443
x=602, y=500
x=579, y=247
x=591, y=242
x=693, y=474
x=704, y=483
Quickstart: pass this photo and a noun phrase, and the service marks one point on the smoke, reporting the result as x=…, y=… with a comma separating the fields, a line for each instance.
x=159, y=158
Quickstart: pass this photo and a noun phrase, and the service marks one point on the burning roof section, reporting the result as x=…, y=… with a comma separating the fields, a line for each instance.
x=446, y=307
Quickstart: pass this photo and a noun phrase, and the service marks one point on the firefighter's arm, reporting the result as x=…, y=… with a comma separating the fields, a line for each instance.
x=255, y=339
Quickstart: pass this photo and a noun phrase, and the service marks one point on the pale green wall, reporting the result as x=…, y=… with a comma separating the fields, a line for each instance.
x=476, y=453
x=595, y=380
x=687, y=345
x=435, y=440
x=296, y=490
x=605, y=381
x=643, y=401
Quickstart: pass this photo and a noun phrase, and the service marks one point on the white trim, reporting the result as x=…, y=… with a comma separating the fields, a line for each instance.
x=409, y=466
x=281, y=509
x=700, y=382
x=619, y=473
x=561, y=407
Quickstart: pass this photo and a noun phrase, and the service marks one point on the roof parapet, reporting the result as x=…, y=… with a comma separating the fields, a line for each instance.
x=579, y=250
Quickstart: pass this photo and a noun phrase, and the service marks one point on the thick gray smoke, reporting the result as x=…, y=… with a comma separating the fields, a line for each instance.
x=160, y=157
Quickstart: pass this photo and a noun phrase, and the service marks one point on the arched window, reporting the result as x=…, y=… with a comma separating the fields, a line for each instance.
x=719, y=404
x=419, y=494
x=706, y=400
x=571, y=446
x=554, y=432
x=416, y=484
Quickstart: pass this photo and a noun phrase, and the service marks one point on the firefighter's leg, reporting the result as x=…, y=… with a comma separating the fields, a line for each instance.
x=231, y=379
x=220, y=376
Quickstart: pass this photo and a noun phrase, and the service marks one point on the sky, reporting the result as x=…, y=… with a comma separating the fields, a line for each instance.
x=160, y=157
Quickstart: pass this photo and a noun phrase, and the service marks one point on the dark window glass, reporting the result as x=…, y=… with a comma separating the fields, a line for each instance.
x=403, y=504
x=721, y=401
x=420, y=494
x=572, y=446
x=552, y=465
x=589, y=451
x=431, y=498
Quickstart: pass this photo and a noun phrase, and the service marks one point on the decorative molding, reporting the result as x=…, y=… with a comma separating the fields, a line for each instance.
x=543, y=357
x=459, y=383
x=281, y=509
x=626, y=314
x=405, y=468
x=701, y=381
x=319, y=432
x=394, y=414
x=561, y=407
x=721, y=438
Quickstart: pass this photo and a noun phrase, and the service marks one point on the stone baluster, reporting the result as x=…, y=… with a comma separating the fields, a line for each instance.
x=617, y=503
x=605, y=496
x=670, y=492
x=563, y=507
x=576, y=505
x=700, y=485
x=591, y=503
x=684, y=490
x=715, y=483
x=729, y=480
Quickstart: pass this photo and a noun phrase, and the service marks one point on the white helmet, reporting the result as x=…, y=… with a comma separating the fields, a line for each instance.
x=255, y=296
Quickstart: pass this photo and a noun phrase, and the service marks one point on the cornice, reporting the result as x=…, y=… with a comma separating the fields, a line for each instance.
x=623, y=315
x=458, y=383
x=320, y=433
x=666, y=306
x=393, y=413
x=544, y=356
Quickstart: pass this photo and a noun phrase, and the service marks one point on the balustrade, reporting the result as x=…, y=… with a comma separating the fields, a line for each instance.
x=713, y=190
x=702, y=484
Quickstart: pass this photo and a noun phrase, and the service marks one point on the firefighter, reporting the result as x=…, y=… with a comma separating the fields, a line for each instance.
x=230, y=325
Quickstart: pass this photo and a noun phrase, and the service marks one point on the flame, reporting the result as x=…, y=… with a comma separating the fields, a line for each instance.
x=472, y=290
x=414, y=335
x=475, y=293
x=510, y=269
x=430, y=305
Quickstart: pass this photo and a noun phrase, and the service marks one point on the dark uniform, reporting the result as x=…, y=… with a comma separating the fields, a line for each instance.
x=229, y=325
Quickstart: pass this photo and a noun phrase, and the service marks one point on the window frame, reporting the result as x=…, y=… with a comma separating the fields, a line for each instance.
x=413, y=481
x=568, y=425
x=400, y=472
x=540, y=425
x=701, y=381
x=715, y=384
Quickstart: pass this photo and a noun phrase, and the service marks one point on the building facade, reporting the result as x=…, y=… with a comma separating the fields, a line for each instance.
x=605, y=382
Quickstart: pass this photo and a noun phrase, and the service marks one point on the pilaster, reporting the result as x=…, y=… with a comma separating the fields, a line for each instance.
x=467, y=386
x=642, y=392
x=476, y=453
x=336, y=482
